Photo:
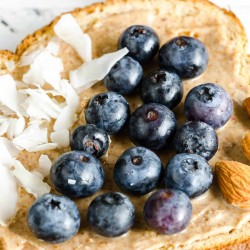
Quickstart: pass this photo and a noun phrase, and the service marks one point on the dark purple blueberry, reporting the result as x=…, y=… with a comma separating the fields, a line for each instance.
x=90, y=139
x=196, y=138
x=162, y=87
x=141, y=41
x=111, y=214
x=168, y=211
x=186, y=56
x=54, y=218
x=208, y=103
x=138, y=170
x=108, y=111
x=77, y=174
x=189, y=173
x=152, y=125
x=124, y=77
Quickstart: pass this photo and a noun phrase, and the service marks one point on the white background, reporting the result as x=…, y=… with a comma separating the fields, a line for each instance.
x=18, y=18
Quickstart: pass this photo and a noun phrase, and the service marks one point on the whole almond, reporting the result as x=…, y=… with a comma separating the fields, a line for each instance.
x=246, y=145
x=246, y=105
x=234, y=180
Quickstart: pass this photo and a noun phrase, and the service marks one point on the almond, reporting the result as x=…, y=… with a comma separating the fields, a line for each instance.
x=246, y=145
x=234, y=180
x=246, y=105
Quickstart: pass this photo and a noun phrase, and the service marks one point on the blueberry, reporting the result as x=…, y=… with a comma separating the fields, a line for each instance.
x=208, y=103
x=124, y=77
x=186, y=56
x=189, y=173
x=196, y=138
x=77, y=174
x=111, y=214
x=138, y=170
x=168, y=211
x=90, y=139
x=162, y=87
x=152, y=125
x=141, y=41
x=108, y=111
x=54, y=218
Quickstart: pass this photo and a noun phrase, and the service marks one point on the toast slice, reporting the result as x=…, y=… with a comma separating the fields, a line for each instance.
x=215, y=224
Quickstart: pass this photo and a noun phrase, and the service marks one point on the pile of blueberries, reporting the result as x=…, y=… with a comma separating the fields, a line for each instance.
x=152, y=126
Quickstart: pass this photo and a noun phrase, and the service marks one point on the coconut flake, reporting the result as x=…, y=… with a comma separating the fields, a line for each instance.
x=90, y=73
x=32, y=183
x=4, y=124
x=61, y=138
x=34, y=139
x=28, y=59
x=53, y=47
x=16, y=127
x=9, y=96
x=10, y=65
x=8, y=196
x=44, y=165
x=40, y=106
x=68, y=115
x=8, y=152
x=70, y=32
x=45, y=68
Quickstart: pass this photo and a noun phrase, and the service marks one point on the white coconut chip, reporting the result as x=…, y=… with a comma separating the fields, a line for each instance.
x=61, y=138
x=90, y=73
x=40, y=106
x=10, y=65
x=70, y=32
x=8, y=196
x=44, y=165
x=32, y=183
x=9, y=96
x=28, y=59
x=16, y=127
x=34, y=139
x=44, y=67
x=8, y=152
x=53, y=47
x=4, y=124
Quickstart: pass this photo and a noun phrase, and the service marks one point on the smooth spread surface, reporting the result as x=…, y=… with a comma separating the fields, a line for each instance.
x=211, y=215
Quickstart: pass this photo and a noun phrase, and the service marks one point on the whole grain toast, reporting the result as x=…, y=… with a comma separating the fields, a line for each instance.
x=215, y=224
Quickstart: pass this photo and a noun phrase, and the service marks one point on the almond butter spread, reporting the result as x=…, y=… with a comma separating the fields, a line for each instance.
x=211, y=214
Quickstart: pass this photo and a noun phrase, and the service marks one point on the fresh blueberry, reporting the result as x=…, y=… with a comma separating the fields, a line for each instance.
x=189, y=173
x=208, y=103
x=152, y=125
x=124, y=77
x=196, y=138
x=90, y=139
x=138, y=170
x=111, y=214
x=54, y=218
x=168, y=211
x=77, y=174
x=108, y=111
x=162, y=87
x=141, y=41
x=186, y=56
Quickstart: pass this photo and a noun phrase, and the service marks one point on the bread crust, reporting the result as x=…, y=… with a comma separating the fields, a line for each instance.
x=47, y=32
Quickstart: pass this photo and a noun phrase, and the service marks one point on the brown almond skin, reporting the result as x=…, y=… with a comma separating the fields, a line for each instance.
x=246, y=105
x=234, y=180
x=246, y=146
